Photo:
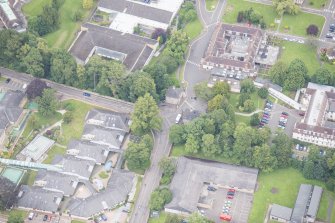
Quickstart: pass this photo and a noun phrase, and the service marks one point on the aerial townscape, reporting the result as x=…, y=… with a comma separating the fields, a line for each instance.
x=167, y=111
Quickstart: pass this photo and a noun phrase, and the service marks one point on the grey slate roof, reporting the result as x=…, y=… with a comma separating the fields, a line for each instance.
x=281, y=212
x=38, y=198
x=109, y=119
x=136, y=48
x=136, y=9
x=300, y=206
x=119, y=186
x=173, y=92
x=99, y=135
x=9, y=108
x=191, y=173
x=88, y=151
x=58, y=182
x=315, y=201
x=74, y=166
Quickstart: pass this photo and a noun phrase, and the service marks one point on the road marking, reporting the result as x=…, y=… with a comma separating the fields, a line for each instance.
x=193, y=63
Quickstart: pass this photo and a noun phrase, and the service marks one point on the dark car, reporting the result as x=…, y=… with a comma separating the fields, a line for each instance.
x=230, y=193
x=210, y=188
x=104, y=217
x=45, y=218
x=86, y=94
x=8, y=80
x=285, y=113
x=329, y=35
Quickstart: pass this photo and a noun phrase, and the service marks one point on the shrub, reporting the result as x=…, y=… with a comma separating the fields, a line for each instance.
x=312, y=30
x=68, y=117
x=263, y=92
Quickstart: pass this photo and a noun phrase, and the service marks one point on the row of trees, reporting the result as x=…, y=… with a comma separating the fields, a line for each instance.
x=295, y=75
x=187, y=14
x=286, y=6
x=251, y=16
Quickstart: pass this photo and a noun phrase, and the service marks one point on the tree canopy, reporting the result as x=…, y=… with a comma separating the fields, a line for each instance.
x=47, y=103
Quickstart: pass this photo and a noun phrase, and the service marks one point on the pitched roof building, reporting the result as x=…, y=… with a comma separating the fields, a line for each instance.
x=280, y=213
x=131, y=50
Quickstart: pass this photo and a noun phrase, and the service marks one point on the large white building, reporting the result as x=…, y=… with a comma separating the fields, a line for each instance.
x=318, y=125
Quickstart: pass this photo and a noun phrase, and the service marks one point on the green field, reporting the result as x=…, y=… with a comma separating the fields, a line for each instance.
x=286, y=183
x=234, y=6
x=76, y=221
x=234, y=97
x=161, y=218
x=211, y=4
x=298, y=23
x=64, y=36
x=292, y=50
x=193, y=29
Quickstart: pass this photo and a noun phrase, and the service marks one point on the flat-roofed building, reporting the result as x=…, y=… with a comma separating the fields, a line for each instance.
x=37, y=148
x=280, y=213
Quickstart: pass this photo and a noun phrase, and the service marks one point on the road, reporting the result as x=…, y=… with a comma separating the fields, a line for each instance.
x=192, y=75
x=74, y=93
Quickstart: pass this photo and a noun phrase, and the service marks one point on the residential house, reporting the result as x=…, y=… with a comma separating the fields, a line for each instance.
x=37, y=148
x=174, y=95
x=35, y=198
x=99, y=135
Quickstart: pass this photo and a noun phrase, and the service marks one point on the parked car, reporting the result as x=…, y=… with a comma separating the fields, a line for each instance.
x=210, y=188
x=104, y=217
x=8, y=80
x=230, y=193
x=45, y=218
x=285, y=113
x=230, y=197
x=31, y=216
x=232, y=190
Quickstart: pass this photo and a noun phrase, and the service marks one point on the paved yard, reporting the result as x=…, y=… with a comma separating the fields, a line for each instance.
x=239, y=209
x=12, y=85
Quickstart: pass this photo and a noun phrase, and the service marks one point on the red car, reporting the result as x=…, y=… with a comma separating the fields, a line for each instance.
x=231, y=190
x=230, y=197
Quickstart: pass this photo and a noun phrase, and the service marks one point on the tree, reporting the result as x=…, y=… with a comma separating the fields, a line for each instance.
x=222, y=88
x=34, y=63
x=249, y=106
x=68, y=117
x=138, y=154
x=63, y=68
x=296, y=74
x=35, y=88
x=8, y=193
x=177, y=45
x=159, y=74
x=159, y=34
x=203, y=91
x=278, y=73
x=141, y=85
x=242, y=146
x=192, y=145
x=243, y=98
x=323, y=76
x=263, y=158
x=308, y=170
x=146, y=115
x=176, y=134
x=168, y=165
x=286, y=6
x=263, y=92
x=47, y=103
x=209, y=147
x=197, y=218
x=87, y=4
x=159, y=198
x=247, y=86
x=254, y=120
x=173, y=218
x=218, y=102
x=312, y=30
x=15, y=218
x=282, y=149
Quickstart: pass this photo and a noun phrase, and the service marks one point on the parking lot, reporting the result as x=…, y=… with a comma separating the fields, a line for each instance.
x=38, y=218
x=239, y=207
x=11, y=85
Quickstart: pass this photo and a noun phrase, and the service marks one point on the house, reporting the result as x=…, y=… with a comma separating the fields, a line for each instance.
x=317, y=126
x=331, y=53
x=234, y=49
x=132, y=50
x=118, y=188
x=35, y=198
x=57, y=182
x=37, y=148
x=108, y=119
x=10, y=112
x=88, y=151
x=74, y=166
x=99, y=135
x=128, y=14
x=280, y=213
x=174, y=95
x=7, y=14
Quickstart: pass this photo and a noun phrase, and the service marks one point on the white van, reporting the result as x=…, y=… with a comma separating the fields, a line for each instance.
x=178, y=118
x=31, y=216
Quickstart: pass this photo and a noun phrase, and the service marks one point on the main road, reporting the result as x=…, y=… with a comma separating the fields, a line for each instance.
x=74, y=93
x=192, y=75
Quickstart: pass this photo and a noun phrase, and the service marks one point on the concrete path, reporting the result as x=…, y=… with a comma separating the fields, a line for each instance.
x=249, y=114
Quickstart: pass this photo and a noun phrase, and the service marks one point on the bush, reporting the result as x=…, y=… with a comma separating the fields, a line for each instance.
x=263, y=93
x=312, y=30
x=330, y=184
x=159, y=198
x=68, y=117
x=254, y=121
x=103, y=175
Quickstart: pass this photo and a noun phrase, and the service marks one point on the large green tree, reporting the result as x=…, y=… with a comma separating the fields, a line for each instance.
x=177, y=45
x=146, y=115
x=278, y=72
x=323, y=76
x=63, y=68
x=159, y=198
x=297, y=73
x=209, y=146
x=286, y=6
x=176, y=134
x=47, y=103
x=263, y=159
x=34, y=63
x=282, y=149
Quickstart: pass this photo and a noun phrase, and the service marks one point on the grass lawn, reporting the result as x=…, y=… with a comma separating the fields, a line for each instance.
x=211, y=4
x=333, y=215
x=298, y=23
x=38, y=121
x=64, y=36
x=75, y=128
x=323, y=207
x=234, y=97
x=234, y=6
x=292, y=50
x=244, y=119
x=318, y=4
x=161, y=218
x=287, y=182
x=193, y=29
x=55, y=150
